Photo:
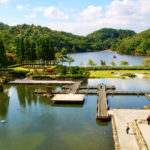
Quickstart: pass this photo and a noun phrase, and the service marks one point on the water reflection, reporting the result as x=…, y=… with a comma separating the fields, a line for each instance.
x=123, y=84
x=27, y=97
x=4, y=104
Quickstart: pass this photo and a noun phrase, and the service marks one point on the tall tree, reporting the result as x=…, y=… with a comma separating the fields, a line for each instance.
x=20, y=51
x=46, y=49
x=3, y=58
x=70, y=60
x=124, y=63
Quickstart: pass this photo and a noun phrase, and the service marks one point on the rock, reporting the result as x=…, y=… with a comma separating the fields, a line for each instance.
x=3, y=121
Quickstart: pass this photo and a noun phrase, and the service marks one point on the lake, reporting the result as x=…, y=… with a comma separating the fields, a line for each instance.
x=34, y=123
x=108, y=57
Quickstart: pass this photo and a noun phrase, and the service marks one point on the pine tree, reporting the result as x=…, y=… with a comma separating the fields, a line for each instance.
x=3, y=58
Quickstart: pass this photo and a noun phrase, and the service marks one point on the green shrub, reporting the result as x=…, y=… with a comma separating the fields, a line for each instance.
x=118, y=68
x=63, y=70
x=72, y=76
x=40, y=77
x=13, y=66
x=19, y=72
x=131, y=75
x=1, y=87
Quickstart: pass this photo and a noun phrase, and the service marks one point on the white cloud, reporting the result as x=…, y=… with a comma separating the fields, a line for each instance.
x=120, y=14
x=54, y=13
x=4, y=1
x=31, y=16
x=91, y=13
x=20, y=7
x=39, y=9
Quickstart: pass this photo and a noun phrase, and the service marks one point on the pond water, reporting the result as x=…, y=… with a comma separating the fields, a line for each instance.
x=34, y=123
x=108, y=57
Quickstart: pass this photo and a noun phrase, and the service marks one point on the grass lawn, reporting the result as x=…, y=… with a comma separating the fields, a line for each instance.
x=117, y=74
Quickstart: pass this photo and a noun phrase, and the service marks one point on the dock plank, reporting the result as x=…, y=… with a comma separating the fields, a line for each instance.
x=102, y=105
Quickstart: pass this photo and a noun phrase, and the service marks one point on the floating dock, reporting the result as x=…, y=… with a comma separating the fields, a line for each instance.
x=68, y=98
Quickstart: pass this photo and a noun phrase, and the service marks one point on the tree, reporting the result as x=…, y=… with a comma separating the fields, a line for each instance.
x=91, y=63
x=70, y=60
x=46, y=50
x=113, y=63
x=20, y=50
x=103, y=63
x=81, y=63
x=124, y=63
x=3, y=58
x=146, y=62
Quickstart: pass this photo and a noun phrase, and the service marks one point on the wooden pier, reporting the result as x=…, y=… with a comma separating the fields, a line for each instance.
x=75, y=87
x=127, y=92
x=148, y=96
x=76, y=93
x=102, y=107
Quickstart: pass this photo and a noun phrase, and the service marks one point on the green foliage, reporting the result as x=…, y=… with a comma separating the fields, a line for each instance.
x=19, y=72
x=3, y=58
x=131, y=75
x=113, y=63
x=146, y=62
x=103, y=63
x=136, y=45
x=118, y=68
x=124, y=63
x=63, y=70
x=99, y=40
x=70, y=60
x=72, y=76
x=41, y=77
x=91, y=63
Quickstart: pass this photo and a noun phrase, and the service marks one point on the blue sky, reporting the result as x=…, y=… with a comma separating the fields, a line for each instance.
x=79, y=17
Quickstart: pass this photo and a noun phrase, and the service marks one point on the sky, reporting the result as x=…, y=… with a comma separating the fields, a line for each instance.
x=79, y=17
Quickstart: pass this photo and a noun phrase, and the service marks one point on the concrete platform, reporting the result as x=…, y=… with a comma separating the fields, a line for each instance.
x=38, y=82
x=121, y=117
x=145, y=130
x=69, y=98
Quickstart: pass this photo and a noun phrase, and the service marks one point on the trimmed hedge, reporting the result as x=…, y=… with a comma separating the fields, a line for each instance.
x=72, y=76
x=1, y=87
x=40, y=77
x=19, y=72
x=118, y=68
x=131, y=75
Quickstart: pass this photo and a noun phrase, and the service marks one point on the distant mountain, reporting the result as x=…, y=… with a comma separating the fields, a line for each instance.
x=136, y=45
x=99, y=40
x=107, y=38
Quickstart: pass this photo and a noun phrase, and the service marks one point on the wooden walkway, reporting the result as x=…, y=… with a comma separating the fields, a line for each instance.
x=148, y=96
x=75, y=87
x=90, y=87
x=40, y=82
x=100, y=91
x=126, y=93
x=102, y=106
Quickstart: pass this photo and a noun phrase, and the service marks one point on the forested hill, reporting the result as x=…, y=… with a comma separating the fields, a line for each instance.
x=137, y=45
x=99, y=40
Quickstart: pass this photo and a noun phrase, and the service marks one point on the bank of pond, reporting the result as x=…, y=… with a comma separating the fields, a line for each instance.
x=33, y=122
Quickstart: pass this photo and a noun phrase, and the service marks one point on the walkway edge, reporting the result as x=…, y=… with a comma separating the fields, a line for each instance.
x=139, y=137
x=115, y=134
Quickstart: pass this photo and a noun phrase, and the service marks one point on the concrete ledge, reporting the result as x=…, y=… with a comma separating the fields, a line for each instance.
x=139, y=137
